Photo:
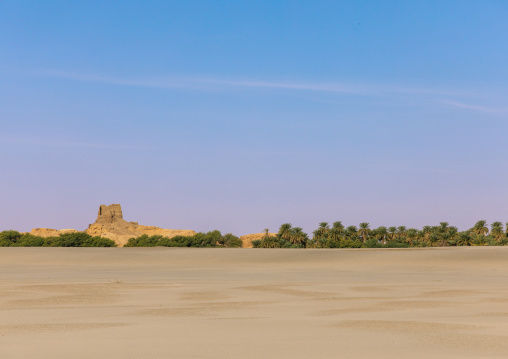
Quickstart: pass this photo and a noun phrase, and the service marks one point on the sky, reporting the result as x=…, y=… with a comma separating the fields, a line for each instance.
x=243, y=115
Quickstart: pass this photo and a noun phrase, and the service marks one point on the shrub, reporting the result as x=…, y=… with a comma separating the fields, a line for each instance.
x=9, y=238
x=143, y=241
x=321, y=242
x=48, y=241
x=418, y=243
x=70, y=240
x=28, y=240
x=396, y=243
x=349, y=243
x=169, y=242
x=275, y=242
x=479, y=240
x=332, y=243
x=372, y=243
x=503, y=241
x=78, y=239
x=256, y=243
x=98, y=242
x=231, y=241
x=209, y=239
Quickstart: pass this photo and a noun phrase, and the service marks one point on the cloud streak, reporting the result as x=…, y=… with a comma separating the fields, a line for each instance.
x=218, y=84
x=215, y=84
x=412, y=169
x=485, y=109
x=62, y=143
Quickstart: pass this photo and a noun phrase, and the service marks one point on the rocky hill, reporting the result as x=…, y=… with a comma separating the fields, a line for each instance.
x=49, y=232
x=248, y=238
x=110, y=224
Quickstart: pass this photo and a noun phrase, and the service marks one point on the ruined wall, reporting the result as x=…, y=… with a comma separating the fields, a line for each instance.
x=110, y=224
x=109, y=214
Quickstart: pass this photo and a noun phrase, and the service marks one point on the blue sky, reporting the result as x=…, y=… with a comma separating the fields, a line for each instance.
x=243, y=115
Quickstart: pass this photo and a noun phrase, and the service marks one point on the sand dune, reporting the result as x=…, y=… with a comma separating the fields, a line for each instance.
x=253, y=303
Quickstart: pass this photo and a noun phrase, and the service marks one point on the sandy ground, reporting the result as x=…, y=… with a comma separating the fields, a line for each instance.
x=253, y=303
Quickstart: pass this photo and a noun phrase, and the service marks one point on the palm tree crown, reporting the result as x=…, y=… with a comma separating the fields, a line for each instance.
x=496, y=228
x=285, y=231
x=481, y=228
x=392, y=230
x=364, y=231
x=338, y=225
x=298, y=236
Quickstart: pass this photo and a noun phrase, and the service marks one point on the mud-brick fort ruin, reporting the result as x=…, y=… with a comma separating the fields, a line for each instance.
x=110, y=224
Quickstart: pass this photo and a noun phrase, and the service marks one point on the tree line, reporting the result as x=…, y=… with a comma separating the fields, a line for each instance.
x=203, y=240
x=337, y=235
x=79, y=239
x=210, y=239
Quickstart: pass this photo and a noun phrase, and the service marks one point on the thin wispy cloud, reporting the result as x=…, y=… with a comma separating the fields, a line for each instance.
x=485, y=109
x=403, y=168
x=215, y=84
x=64, y=143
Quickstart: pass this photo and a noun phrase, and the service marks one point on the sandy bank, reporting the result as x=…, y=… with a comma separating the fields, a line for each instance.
x=249, y=303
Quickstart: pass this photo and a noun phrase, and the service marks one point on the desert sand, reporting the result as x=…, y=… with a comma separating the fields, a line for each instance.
x=253, y=303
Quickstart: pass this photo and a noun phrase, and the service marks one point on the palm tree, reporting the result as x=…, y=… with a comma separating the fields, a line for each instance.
x=478, y=240
x=380, y=234
x=316, y=235
x=496, y=229
x=324, y=227
x=321, y=232
x=443, y=227
x=433, y=239
x=464, y=239
x=266, y=235
x=411, y=235
x=270, y=242
x=334, y=234
x=449, y=238
x=351, y=232
x=401, y=231
x=452, y=233
x=364, y=230
x=285, y=231
x=481, y=228
x=298, y=236
x=392, y=231
x=427, y=230
x=338, y=226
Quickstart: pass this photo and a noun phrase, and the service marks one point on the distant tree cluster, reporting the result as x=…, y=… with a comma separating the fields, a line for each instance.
x=207, y=240
x=287, y=237
x=339, y=236
x=80, y=239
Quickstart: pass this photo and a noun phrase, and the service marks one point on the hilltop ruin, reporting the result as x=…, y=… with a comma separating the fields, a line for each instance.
x=110, y=224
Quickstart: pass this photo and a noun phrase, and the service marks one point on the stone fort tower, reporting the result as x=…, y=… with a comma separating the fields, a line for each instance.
x=110, y=214
x=110, y=224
